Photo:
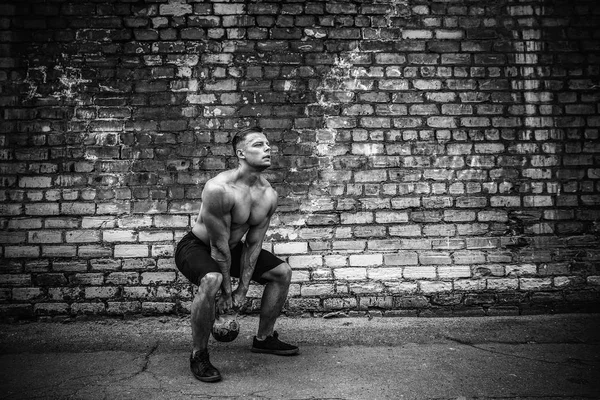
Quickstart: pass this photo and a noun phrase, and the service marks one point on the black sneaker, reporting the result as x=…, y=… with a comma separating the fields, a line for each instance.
x=202, y=368
x=272, y=345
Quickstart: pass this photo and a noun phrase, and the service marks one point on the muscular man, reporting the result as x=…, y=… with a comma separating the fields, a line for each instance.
x=235, y=203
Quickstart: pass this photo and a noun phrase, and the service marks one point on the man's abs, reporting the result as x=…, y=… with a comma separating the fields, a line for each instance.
x=235, y=236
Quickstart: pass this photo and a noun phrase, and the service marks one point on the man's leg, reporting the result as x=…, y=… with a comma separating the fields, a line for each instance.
x=203, y=309
x=273, y=299
x=203, y=317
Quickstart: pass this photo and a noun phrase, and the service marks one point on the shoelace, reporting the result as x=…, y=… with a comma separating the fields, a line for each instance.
x=203, y=360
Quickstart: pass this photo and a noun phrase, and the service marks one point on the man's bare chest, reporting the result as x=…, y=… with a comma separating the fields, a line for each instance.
x=250, y=208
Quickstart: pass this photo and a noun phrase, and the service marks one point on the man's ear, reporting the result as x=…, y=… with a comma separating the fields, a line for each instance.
x=240, y=153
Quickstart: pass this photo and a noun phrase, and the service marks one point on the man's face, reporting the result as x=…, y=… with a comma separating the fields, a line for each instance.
x=257, y=151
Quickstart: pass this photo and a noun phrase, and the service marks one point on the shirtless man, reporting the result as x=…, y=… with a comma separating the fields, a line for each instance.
x=235, y=203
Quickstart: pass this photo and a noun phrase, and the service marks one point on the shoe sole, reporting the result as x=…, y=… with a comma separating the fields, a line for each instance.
x=210, y=379
x=276, y=352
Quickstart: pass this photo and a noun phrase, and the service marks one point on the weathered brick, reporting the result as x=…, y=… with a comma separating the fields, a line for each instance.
x=21, y=251
x=119, y=236
x=366, y=260
x=535, y=283
x=149, y=278
x=309, y=261
x=291, y=248
x=426, y=147
x=87, y=279
x=420, y=272
x=349, y=274
x=317, y=290
x=130, y=250
x=385, y=274
x=51, y=308
x=429, y=287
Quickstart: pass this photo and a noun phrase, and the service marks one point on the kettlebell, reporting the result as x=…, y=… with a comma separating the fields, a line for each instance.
x=226, y=328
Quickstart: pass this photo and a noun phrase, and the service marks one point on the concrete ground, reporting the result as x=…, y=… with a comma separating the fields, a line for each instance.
x=525, y=357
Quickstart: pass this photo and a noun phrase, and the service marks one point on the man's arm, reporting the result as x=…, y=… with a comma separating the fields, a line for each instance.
x=216, y=215
x=251, y=250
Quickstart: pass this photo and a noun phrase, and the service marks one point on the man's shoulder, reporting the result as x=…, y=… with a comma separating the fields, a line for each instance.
x=222, y=179
x=218, y=186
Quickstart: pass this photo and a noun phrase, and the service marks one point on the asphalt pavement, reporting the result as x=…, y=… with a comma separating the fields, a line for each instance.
x=511, y=357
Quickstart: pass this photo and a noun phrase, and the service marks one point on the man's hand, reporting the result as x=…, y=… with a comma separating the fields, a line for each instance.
x=239, y=297
x=224, y=304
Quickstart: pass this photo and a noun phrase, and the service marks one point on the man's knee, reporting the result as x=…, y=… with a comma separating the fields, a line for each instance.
x=211, y=282
x=283, y=273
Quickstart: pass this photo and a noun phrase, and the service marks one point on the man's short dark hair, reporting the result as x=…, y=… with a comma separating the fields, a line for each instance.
x=240, y=136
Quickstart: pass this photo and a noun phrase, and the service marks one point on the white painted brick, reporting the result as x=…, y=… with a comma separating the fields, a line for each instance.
x=416, y=34
x=119, y=236
x=382, y=274
x=335, y=260
x=300, y=276
x=362, y=260
x=158, y=236
x=322, y=274
x=291, y=248
x=357, y=218
x=367, y=287
x=305, y=261
x=469, y=284
x=83, y=236
x=419, y=272
x=98, y=222
x=435, y=286
x=316, y=290
x=454, y=271
x=401, y=287
x=135, y=222
x=502, y=284
x=171, y=221
x=401, y=258
x=390, y=217
x=350, y=274
x=131, y=250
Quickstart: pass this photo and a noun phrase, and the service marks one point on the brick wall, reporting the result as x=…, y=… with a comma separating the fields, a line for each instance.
x=433, y=157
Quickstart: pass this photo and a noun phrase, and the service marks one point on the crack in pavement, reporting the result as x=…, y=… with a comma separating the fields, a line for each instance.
x=148, y=355
x=571, y=360
x=515, y=397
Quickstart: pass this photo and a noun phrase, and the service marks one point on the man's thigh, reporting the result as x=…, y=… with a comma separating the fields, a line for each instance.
x=193, y=259
x=266, y=262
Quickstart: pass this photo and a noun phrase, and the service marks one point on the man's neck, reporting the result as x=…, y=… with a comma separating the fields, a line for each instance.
x=247, y=175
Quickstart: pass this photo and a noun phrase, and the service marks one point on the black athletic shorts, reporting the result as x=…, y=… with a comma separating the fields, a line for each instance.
x=192, y=258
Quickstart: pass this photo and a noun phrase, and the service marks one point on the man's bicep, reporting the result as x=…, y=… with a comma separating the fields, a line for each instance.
x=217, y=227
x=216, y=215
